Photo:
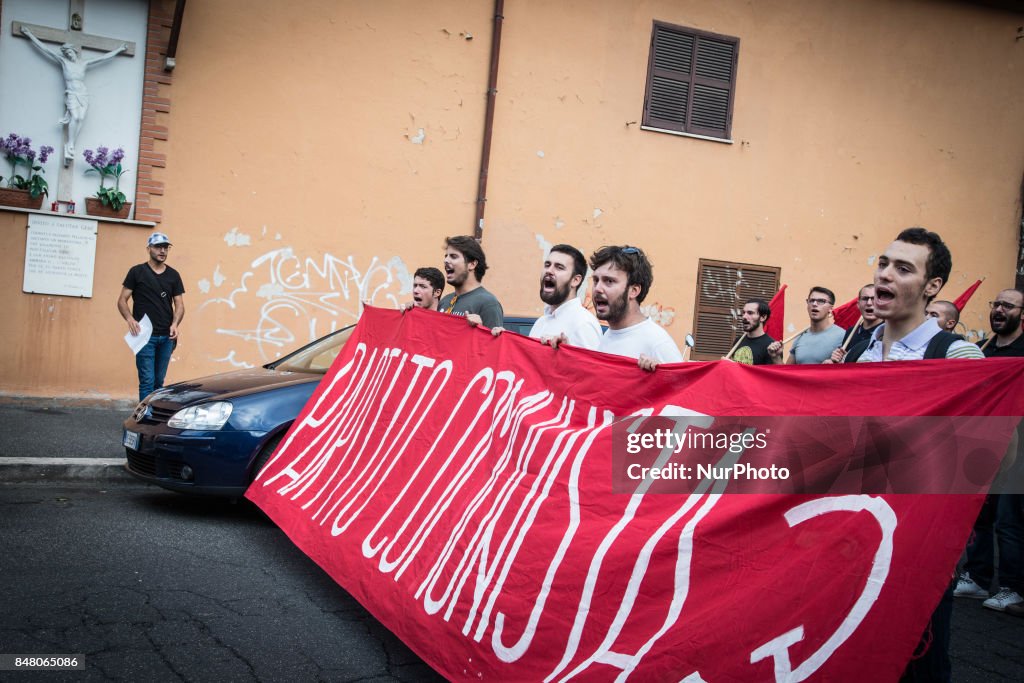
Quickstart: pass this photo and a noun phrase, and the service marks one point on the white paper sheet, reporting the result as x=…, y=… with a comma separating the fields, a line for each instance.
x=137, y=341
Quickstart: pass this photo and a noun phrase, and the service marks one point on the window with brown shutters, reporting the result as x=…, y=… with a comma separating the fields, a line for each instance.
x=691, y=81
x=722, y=288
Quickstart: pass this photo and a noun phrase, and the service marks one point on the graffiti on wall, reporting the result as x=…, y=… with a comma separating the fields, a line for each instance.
x=285, y=299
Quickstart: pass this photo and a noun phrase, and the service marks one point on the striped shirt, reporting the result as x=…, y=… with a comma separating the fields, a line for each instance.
x=914, y=345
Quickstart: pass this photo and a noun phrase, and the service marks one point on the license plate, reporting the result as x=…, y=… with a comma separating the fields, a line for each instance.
x=131, y=440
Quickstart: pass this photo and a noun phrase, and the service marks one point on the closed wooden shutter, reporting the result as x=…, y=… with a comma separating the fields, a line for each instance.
x=722, y=288
x=691, y=81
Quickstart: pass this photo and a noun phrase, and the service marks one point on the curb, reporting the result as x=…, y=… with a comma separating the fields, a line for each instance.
x=124, y=405
x=61, y=469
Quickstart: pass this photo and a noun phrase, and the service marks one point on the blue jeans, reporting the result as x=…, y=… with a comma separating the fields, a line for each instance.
x=1010, y=535
x=1004, y=515
x=152, y=361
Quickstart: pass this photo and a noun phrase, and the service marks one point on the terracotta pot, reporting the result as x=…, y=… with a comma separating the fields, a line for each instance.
x=94, y=207
x=19, y=198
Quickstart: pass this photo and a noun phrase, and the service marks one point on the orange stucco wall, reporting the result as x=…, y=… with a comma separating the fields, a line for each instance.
x=320, y=151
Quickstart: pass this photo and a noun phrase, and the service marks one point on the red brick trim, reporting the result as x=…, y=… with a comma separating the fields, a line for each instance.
x=156, y=105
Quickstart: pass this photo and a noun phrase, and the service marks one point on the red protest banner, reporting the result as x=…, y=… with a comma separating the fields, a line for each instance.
x=460, y=487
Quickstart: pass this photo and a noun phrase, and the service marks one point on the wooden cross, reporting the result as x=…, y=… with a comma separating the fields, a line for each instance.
x=74, y=36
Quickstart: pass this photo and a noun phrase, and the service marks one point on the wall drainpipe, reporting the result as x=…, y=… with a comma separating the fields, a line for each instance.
x=492, y=92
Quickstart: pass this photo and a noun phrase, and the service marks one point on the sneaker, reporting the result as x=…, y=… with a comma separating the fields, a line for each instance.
x=966, y=588
x=1003, y=599
x=1016, y=610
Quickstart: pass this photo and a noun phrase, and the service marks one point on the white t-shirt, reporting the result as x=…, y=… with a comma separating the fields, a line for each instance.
x=578, y=324
x=646, y=338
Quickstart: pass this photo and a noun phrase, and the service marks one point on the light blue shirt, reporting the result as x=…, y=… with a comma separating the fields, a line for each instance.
x=914, y=345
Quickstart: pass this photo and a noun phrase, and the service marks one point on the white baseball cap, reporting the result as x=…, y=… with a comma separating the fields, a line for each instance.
x=158, y=238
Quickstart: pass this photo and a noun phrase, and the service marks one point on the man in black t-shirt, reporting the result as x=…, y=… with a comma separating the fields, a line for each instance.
x=156, y=291
x=864, y=330
x=1005, y=320
x=754, y=348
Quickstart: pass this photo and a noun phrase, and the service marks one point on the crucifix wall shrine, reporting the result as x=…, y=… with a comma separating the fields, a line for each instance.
x=73, y=64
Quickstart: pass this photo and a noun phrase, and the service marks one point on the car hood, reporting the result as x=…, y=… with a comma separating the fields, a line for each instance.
x=230, y=385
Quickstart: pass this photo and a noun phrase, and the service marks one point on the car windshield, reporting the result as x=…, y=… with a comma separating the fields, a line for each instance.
x=314, y=358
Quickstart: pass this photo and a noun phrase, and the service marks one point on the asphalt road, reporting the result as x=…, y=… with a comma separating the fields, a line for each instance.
x=153, y=586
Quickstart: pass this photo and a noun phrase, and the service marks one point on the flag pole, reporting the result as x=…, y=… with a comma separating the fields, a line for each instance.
x=735, y=346
x=987, y=342
x=791, y=338
x=849, y=337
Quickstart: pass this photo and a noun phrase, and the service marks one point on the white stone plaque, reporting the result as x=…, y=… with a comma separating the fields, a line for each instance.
x=60, y=255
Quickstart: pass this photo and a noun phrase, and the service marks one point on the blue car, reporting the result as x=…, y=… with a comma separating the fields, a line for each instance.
x=212, y=435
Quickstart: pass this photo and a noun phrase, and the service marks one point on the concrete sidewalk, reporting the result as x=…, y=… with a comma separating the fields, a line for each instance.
x=54, y=439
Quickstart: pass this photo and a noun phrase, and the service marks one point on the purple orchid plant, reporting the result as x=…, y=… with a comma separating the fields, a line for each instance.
x=19, y=152
x=108, y=165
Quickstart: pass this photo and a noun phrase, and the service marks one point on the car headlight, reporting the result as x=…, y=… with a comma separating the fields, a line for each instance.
x=207, y=416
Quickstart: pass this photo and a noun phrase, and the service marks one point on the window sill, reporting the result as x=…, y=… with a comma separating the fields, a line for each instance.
x=102, y=219
x=687, y=135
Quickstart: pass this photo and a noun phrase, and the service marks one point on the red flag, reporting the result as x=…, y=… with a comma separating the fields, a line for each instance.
x=461, y=487
x=775, y=327
x=962, y=300
x=846, y=315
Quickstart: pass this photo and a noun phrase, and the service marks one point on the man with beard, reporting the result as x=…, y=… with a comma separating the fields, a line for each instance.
x=622, y=277
x=1003, y=513
x=464, y=268
x=946, y=314
x=427, y=285
x=869, y=321
x=908, y=276
x=1005, y=320
x=821, y=337
x=564, y=270
x=754, y=348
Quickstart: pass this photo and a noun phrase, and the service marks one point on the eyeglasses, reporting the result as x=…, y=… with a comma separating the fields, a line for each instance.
x=629, y=250
x=867, y=298
x=1006, y=305
x=818, y=302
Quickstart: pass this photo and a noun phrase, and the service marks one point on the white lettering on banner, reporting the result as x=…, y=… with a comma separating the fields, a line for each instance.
x=331, y=436
x=334, y=438
x=369, y=547
x=358, y=437
x=374, y=476
x=471, y=550
x=551, y=466
x=778, y=647
x=469, y=465
x=312, y=421
x=603, y=654
x=357, y=447
x=519, y=648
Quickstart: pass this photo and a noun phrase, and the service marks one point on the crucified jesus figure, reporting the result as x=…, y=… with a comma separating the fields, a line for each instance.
x=76, y=97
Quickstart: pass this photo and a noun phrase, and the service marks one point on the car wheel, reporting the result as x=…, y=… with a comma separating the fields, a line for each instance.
x=264, y=456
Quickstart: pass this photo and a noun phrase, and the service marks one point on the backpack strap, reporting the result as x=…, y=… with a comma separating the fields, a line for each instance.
x=858, y=349
x=940, y=343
